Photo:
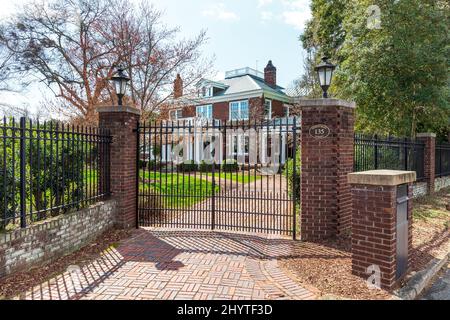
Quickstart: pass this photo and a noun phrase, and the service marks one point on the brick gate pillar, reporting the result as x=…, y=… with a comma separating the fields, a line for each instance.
x=121, y=121
x=327, y=127
x=429, y=158
x=382, y=225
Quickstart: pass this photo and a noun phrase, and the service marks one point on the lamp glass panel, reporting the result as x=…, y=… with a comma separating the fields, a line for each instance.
x=329, y=73
x=117, y=85
x=321, y=73
x=123, y=86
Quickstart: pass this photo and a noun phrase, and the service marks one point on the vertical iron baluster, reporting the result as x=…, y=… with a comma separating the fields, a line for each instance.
x=213, y=204
x=294, y=163
x=57, y=165
x=30, y=155
x=45, y=173
x=63, y=167
x=77, y=172
x=14, y=139
x=22, y=164
x=138, y=169
x=5, y=221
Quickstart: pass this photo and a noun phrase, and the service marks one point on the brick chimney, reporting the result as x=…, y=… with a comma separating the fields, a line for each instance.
x=178, y=87
x=270, y=74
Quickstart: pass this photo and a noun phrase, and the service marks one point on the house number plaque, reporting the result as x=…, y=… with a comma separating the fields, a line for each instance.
x=319, y=131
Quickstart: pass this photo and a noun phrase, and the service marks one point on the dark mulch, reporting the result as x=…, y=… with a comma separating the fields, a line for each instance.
x=327, y=265
x=11, y=286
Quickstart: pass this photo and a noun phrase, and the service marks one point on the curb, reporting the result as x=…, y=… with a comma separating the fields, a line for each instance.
x=421, y=279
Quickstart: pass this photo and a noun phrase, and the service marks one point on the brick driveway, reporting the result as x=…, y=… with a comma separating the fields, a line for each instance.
x=177, y=264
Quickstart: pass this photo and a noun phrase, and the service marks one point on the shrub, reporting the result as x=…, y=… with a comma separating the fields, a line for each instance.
x=205, y=167
x=8, y=199
x=187, y=166
x=289, y=173
x=230, y=166
x=143, y=164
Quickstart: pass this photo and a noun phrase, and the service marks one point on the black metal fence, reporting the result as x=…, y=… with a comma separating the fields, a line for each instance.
x=211, y=175
x=50, y=168
x=442, y=159
x=372, y=152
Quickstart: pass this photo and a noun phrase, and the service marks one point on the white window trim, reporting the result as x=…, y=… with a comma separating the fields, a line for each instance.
x=210, y=106
x=240, y=139
x=239, y=108
x=176, y=114
x=286, y=110
x=209, y=91
x=269, y=116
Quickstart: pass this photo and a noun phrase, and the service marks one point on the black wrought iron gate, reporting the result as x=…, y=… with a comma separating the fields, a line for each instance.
x=208, y=175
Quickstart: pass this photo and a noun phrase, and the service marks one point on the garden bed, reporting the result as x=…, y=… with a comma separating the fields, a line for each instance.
x=327, y=265
x=17, y=283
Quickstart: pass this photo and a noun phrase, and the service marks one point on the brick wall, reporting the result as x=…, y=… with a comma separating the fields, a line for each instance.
x=441, y=183
x=325, y=193
x=277, y=109
x=256, y=109
x=374, y=221
x=221, y=109
x=45, y=241
x=429, y=158
x=121, y=122
x=420, y=189
x=189, y=112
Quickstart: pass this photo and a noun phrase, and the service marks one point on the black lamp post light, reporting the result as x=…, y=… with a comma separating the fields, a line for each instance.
x=325, y=71
x=120, y=80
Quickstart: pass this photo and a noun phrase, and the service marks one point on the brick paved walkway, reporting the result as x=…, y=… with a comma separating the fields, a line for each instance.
x=176, y=264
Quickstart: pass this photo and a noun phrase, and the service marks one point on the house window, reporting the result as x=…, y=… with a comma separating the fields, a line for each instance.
x=286, y=111
x=241, y=145
x=239, y=110
x=207, y=92
x=176, y=114
x=267, y=109
x=204, y=112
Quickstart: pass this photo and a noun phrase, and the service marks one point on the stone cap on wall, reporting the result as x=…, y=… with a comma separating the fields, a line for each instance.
x=382, y=177
x=302, y=102
x=426, y=135
x=119, y=109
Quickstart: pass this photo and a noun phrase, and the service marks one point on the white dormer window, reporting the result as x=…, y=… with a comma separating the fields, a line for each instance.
x=207, y=91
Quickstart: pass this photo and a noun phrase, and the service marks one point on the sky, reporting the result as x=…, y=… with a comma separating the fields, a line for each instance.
x=242, y=33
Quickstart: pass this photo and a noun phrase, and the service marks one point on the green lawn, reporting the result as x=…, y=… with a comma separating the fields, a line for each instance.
x=244, y=177
x=177, y=190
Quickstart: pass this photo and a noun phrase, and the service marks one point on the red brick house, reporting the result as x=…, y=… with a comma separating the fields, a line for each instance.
x=244, y=94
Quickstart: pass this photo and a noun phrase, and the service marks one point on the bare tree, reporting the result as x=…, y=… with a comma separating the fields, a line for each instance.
x=75, y=46
x=154, y=56
x=307, y=85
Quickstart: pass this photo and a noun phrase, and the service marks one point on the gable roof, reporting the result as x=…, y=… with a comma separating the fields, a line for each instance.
x=240, y=87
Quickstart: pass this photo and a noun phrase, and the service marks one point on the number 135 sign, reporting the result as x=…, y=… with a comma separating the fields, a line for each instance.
x=319, y=131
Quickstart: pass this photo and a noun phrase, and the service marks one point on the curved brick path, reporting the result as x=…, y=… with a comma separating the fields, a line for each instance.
x=176, y=264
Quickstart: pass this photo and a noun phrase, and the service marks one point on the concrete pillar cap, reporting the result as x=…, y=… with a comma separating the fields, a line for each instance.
x=302, y=102
x=382, y=177
x=426, y=135
x=128, y=109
